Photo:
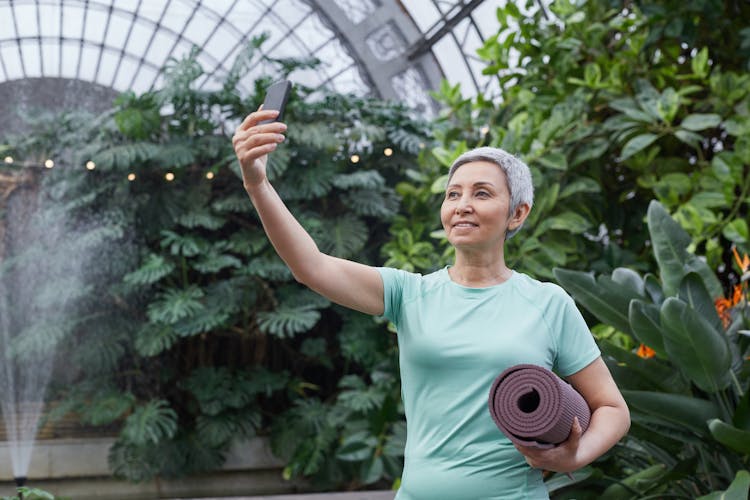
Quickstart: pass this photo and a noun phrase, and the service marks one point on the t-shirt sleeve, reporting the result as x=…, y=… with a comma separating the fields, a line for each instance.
x=393, y=290
x=576, y=347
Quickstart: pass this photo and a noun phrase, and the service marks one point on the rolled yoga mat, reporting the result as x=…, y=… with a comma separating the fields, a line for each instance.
x=534, y=407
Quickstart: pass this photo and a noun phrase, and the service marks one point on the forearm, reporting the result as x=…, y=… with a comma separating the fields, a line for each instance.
x=291, y=241
x=607, y=426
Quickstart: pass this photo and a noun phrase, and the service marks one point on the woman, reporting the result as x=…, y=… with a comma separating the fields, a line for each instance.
x=458, y=328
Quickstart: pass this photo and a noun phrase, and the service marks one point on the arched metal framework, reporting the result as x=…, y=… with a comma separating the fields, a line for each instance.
x=395, y=49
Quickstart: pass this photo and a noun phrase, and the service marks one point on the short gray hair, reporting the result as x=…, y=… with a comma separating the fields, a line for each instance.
x=517, y=174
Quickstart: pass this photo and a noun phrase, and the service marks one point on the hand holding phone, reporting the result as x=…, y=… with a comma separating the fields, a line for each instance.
x=276, y=97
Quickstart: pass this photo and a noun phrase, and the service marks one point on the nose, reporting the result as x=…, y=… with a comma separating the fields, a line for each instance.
x=464, y=205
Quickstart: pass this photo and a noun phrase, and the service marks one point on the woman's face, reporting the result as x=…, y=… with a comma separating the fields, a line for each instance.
x=475, y=211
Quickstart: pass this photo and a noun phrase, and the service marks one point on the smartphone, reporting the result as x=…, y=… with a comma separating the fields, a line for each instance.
x=276, y=97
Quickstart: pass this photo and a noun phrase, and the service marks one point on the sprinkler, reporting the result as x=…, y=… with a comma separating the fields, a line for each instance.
x=20, y=481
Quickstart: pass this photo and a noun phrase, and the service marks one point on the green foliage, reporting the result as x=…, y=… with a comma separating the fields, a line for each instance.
x=690, y=394
x=610, y=105
x=27, y=493
x=185, y=327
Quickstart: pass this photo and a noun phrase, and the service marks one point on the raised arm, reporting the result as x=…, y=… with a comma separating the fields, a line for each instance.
x=348, y=283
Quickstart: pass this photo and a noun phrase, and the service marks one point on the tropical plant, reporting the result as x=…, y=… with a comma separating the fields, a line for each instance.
x=611, y=104
x=689, y=392
x=26, y=493
x=192, y=334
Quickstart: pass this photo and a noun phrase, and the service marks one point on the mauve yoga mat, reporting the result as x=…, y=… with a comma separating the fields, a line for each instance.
x=535, y=407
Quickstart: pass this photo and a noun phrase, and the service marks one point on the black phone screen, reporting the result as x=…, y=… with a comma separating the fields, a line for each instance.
x=276, y=97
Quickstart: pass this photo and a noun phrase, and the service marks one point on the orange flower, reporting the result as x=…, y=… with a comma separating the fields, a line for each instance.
x=645, y=352
x=722, y=309
x=724, y=305
x=743, y=263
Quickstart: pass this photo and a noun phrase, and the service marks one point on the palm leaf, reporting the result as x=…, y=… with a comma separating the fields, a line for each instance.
x=125, y=155
x=176, y=304
x=152, y=270
x=154, y=338
x=287, y=321
x=150, y=423
x=368, y=179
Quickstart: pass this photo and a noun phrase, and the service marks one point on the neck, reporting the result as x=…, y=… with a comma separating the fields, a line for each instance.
x=479, y=270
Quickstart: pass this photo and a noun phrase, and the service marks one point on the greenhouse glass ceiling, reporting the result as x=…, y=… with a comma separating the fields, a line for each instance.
x=387, y=48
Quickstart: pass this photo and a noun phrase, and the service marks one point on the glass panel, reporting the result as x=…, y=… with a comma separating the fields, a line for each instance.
x=118, y=30
x=49, y=18
x=107, y=66
x=423, y=13
x=72, y=21
x=7, y=30
x=26, y=20
x=51, y=58
x=69, y=63
x=125, y=74
x=449, y=55
x=139, y=38
x=158, y=52
x=200, y=27
x=89, y=56
x=177, y=16
x=30, y=54
x=96, y=21
x=12, y=61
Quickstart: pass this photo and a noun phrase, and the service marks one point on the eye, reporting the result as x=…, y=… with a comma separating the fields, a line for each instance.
x=482, y=194
x=451, y=195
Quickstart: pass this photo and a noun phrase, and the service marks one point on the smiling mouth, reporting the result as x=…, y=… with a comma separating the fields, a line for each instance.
x=464, y=224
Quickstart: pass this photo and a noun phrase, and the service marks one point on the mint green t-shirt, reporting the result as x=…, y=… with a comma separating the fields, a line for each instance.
x=453, y=342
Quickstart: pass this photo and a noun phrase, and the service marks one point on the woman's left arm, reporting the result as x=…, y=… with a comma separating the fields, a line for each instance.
x=610, y=421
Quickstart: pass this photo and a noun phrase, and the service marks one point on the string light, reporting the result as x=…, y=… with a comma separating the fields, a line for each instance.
x=209, y=175
x=131, y=177
x=355, y=158
x=8, y=159
x=388, y=151
x=49, y=163
x=484, y=130
x=421, y=145
x=169, y=176
x=90, y=165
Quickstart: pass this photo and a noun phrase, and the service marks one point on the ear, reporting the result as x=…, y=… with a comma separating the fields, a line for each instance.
x=519, y=216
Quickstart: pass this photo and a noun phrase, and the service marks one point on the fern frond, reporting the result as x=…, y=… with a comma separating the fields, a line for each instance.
x=269, y=267
x=372, y=202
x=368, y=179
x=41, y=337
x=201, y=218
x=154, y=338
x=219, y=430
x=344, y=236
x=287, y=321
x=360, y=397
x=150, y=423
x=152, y=270
x=176, y=304
x=107, y=406
x=234, y=203
x=125, y=155
x=176, y=154
x=308, y=183
x=104, y=349
x=213, y=262
x=217, y=388
x=188, y=245
x=407, y=141
x=134, y=463
x=278, y=163
x=248, y=242
x=315, y=135
x=207, y=319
